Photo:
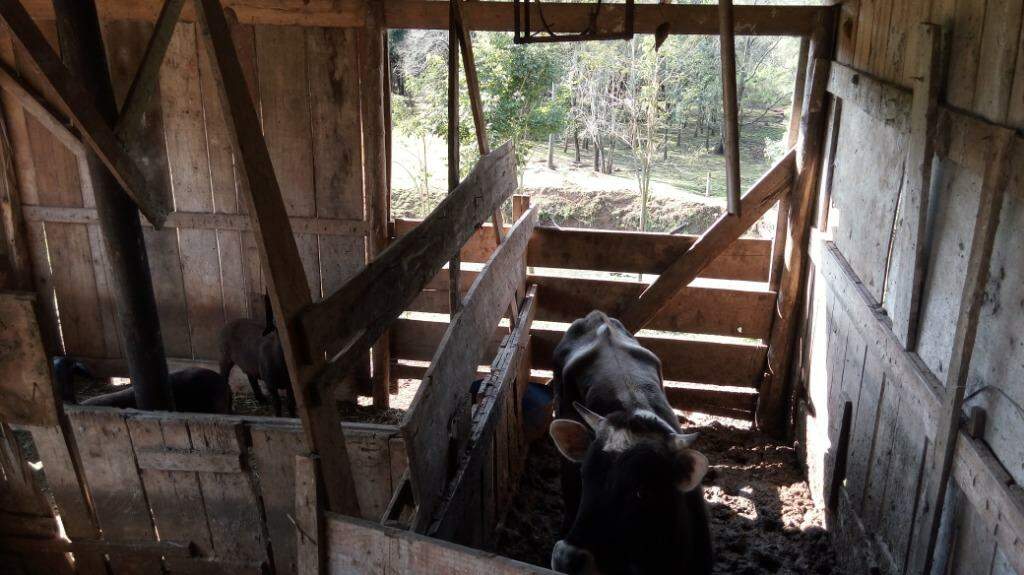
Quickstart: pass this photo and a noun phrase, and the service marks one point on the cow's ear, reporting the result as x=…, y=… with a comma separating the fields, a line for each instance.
x=695, y=466
x=571, y=437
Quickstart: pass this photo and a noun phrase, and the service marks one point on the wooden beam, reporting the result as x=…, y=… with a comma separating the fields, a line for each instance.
x=485, y=16
x=905, y=278
x=202, y=221
x=746, y=259
x=436, y=427
x=683, y=19
x=886, y=102
x=27, y=388
x=77, y=99
x=40, y=109
x=378, y=294
x=727, y=229
x=940, y=463
x=285, y=278
x=145, y=82
x=730, y=107
x=454, y=148
x=772, y=414
x=374, y=96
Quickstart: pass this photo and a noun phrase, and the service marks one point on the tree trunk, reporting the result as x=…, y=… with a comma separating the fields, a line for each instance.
x=551, y=151
x=597, y=155
x=576, y=143
x=679, y=136
x=664, y=145
x=609, y=159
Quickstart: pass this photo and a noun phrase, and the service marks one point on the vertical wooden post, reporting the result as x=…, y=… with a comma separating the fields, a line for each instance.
x=16, y=271
x=771, y=409
x=939, y=464
x=310, y=546
x=906, y=272
x=83, y=52
x=730, y=107
x=279, y=255
x=793, y=132
x=373, y=95
x=454, y=295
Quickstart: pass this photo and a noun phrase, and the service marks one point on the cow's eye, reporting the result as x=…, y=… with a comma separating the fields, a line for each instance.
x=639, y=494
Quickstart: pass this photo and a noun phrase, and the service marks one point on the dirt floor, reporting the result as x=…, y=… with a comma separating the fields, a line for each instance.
x=762, y=516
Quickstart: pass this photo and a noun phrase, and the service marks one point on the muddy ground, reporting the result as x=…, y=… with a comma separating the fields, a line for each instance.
x=762, y=516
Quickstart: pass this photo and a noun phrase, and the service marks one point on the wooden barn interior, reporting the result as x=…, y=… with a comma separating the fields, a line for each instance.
x=166, y=164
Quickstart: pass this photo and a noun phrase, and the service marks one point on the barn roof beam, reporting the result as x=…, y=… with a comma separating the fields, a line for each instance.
x=483, y=16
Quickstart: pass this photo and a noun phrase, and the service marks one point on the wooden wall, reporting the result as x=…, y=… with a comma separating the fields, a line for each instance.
x=205, y=263
x=871, y=468
x=195, y=493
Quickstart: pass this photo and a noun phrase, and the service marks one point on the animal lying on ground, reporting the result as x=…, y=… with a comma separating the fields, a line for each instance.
x=631, y=482
x=195, y=390
x=256, y=350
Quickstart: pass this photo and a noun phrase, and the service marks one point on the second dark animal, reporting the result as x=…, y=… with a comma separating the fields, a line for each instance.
x=257, y=352
x=195, y=390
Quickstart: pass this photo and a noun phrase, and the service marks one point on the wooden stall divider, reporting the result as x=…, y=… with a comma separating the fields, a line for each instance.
x=497, y=390
x=437, y=427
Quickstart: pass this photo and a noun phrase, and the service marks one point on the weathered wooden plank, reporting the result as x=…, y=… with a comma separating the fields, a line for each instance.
x=309, y=520
x=965, y=53
x=999, y=47
x=699, y=308
x=95, y=130
x=40, y=110
x=136, y=103
x=884, y=101
x=746, y=259
x=866, y=423
x=638, y=313
x=288, y=289
x=906, y=268
x=397, y=275
x=357, y=547
x=182, y=103
x=201, y=220
x=115, y=488
x=26, y=386
x=868, y=180
x=442, y=399
x=57, y=452
x=174, y=495
x=233, y=509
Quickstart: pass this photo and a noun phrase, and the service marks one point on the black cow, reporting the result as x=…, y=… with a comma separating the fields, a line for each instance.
x=631, y=482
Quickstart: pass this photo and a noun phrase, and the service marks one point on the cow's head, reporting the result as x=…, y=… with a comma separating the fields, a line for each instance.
x=633, y=516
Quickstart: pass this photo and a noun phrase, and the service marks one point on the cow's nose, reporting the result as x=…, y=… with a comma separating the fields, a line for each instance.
x=567, y=558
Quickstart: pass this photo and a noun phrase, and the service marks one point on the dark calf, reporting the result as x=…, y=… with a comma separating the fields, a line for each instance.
x=257, y=352
x=195, y=390
x=631, y=481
